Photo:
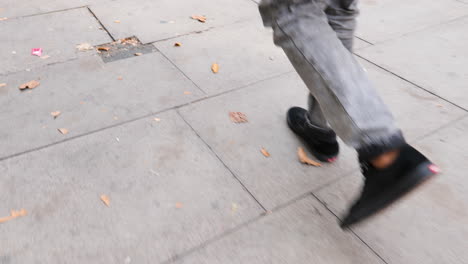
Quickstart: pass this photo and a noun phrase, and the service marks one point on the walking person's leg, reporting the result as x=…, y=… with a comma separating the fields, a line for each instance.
x=345, y=98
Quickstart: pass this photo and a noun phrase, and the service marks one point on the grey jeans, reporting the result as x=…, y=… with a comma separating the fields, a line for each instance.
x=317, y=36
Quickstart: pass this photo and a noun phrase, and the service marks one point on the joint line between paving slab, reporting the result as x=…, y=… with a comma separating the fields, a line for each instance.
x=351, y=230
x=136, y=118
x=46, y=13
x=368, y=42
x=222, y=162
x=100, y=23
x=421, y=29
x=213, y=240
x=408, y=81
x=185, y=34
x=38, y=67
x=182, y=72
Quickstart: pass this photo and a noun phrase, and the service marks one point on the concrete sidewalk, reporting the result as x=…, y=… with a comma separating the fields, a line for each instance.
x=186, y=184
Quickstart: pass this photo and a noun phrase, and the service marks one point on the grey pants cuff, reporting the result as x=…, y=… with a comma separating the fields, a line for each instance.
x=374, y=150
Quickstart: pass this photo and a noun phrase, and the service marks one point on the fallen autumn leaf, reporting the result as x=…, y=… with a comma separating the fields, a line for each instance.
x=215, y=68
x=55, y=114
x=177, y=44
x=265, y=152
x=104, y=48
x=306, y=160
x=13, y=214
x=238, y=117
x=84, y=47
x=29, y=85
x=138, y=54
x=105, y=199
x=63, y=130
x=199, y=18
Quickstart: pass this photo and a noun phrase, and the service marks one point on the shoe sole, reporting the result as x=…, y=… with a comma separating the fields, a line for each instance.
x=416, y=179
x=318, y=155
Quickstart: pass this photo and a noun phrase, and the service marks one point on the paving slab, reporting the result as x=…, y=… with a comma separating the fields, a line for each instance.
x=304, y=232
x=428, y=226
x=244, y=52
x=15, y=8
x=280, y=178
x=252, y=58
x=56, y=33
x=435, y=59
x=89, y=95
x=387, y=19
x=156, y=20
x=168, y=193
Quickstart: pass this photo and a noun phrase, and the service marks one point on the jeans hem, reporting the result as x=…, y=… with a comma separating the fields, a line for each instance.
x=374, y=150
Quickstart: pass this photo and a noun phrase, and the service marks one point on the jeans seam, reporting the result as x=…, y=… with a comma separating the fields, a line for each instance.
x=325, y=80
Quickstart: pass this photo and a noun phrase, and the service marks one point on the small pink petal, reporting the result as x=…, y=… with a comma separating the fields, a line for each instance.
x=36, y=51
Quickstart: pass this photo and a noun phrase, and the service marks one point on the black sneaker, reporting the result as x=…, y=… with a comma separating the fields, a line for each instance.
x=382, y=187
x=321, y=142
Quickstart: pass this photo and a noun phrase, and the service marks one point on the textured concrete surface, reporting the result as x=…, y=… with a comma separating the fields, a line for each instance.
x=15, y=8
x=167, y=193
x=89, y=95
x=435, y=58
x=304, y=232
x=388, y=19
x=186, y=185
x=56, y=33
x=156, y=20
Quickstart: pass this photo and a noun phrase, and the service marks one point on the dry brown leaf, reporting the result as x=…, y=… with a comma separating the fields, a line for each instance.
x=199, y=18
x=103, y=48
x=265, y=152
x=120, y=78
x=29, y=85
x=215, y=68
x=55, y=114
x=13, y=214
x=2, y=84
x=306, y=160
x=63, y=130
x=138, y=54
x=129, y=41
x=84, y=47
x=238, y=117
x=179, y=205
x=105, y=199
x=177, y=44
